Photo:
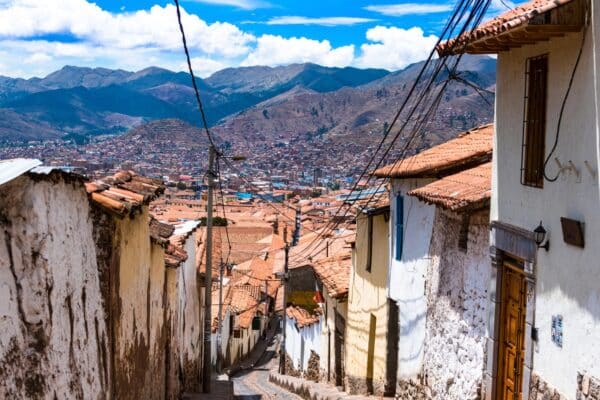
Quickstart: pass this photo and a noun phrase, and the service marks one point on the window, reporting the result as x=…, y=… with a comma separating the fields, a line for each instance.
x=370, y=242
x=399, y=225
x=534, y=124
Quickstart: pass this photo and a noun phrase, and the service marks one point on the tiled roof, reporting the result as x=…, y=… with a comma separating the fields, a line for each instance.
x=125, y=192
x=255, y=273
x=506, y=24
x=201, y=251
x=468, y=149
x=245, y=301
x=334, y=272
x=215, y=304
x=160, y=232
x=174, y=256
x=470, y=189
x=301, y=316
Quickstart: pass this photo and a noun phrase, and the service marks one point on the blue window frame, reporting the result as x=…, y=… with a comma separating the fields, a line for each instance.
x=399, y=225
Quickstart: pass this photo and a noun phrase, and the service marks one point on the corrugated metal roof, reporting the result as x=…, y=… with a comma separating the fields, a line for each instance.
x=13, y=168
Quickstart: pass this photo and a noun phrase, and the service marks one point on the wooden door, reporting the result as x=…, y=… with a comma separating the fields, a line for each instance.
x=512, y=329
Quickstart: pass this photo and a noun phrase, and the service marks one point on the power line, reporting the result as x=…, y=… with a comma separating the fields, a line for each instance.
x=249, y=183
x=478, y=11
x=191, y=71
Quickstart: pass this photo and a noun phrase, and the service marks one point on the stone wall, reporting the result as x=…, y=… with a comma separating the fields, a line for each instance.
x=588, y=387
x=456, y=292
x=361, y=385
x=312, y=371
x=540, y=389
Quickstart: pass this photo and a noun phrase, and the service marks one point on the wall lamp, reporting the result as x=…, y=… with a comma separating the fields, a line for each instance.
x=540, y=236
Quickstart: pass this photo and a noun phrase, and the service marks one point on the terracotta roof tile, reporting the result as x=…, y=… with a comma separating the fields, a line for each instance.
x=201, y=251
x=124, y=193
x=468, y=149
x=174, y=256
x=503, y=25
x=470, y=189
x=245, y=301
x=301, y=316
x=334, y=272
x=160, y=232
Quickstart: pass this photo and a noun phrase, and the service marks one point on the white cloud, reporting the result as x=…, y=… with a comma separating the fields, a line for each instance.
x=394, y=48
x=156, y=27
x=324, y=21
x=243, y=4
x=136, y=40
x=205, y=67
x=277, y=50
x=398, y=10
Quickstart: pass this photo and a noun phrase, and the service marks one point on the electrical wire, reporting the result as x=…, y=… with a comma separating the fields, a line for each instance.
x=564, y=101
x=191, y=71
x=478, y=11
x=249, y=183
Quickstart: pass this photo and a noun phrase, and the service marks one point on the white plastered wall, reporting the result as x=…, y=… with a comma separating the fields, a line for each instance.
x=406, y=281
x=566, y=276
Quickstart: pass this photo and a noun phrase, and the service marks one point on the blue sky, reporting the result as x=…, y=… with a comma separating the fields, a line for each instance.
x=40, y=36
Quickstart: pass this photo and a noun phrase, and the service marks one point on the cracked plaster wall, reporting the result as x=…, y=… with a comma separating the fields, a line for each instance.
x=456, y=308
x=52, y=326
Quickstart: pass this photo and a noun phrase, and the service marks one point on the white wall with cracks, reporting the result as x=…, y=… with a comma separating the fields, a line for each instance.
x=456, y=292
x=52, y=325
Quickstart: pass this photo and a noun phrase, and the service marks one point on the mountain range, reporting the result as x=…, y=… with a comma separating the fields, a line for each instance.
x=248, y=103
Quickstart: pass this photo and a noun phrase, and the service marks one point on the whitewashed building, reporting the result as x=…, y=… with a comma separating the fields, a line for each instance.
x=303, y=339
x=439, y=266
x=544, y=302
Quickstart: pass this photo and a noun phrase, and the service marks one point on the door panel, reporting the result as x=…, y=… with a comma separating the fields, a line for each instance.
x=512, y=328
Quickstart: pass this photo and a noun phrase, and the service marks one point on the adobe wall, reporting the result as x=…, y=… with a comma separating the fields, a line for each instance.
x=366, y=344
x=173, y=356
x=190, y=298
x=53, y=335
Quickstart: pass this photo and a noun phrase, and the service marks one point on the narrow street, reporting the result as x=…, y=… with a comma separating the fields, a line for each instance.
x=253, y=383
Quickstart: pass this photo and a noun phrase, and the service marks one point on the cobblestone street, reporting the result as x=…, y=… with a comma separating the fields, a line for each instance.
x=253, y=383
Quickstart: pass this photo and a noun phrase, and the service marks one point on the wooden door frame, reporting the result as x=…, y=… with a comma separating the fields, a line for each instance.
x=509, y=241
x=527, y=265
x=515, y=267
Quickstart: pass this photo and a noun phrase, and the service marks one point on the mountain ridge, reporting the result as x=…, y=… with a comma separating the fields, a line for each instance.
x=82, y=101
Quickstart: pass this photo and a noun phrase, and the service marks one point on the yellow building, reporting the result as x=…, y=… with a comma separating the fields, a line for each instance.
x=367, y=326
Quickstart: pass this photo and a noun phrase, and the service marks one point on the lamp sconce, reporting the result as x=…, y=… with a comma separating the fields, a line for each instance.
x=540, y=236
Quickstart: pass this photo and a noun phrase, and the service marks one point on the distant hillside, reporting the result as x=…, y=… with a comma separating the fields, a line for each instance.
x=360, y=114
x=250, y=103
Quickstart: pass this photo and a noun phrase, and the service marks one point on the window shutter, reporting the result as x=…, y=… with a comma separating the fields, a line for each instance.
x=399, y=225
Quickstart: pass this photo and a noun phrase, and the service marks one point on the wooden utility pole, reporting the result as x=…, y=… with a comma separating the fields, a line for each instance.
x=220, y=323
x=285, y=294
x=207, y=365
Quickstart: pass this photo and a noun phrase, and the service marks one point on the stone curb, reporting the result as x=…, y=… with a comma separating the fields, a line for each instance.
x=309, y=390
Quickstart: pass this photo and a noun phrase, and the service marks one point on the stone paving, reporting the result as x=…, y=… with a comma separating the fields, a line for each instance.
x=253, y=383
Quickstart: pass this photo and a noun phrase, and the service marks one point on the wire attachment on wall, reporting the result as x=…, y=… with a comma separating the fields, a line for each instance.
x=575, y=170
x=590, y=169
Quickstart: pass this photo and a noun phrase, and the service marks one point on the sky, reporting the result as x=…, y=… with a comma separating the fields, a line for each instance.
x=38, y=37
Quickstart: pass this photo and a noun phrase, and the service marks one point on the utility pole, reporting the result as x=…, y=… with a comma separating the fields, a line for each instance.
x=207, y=367
x=298, y=226
x=285, y=294
x=220, y=322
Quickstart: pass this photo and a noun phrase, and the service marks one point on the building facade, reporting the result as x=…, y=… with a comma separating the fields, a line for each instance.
x=544, y=319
